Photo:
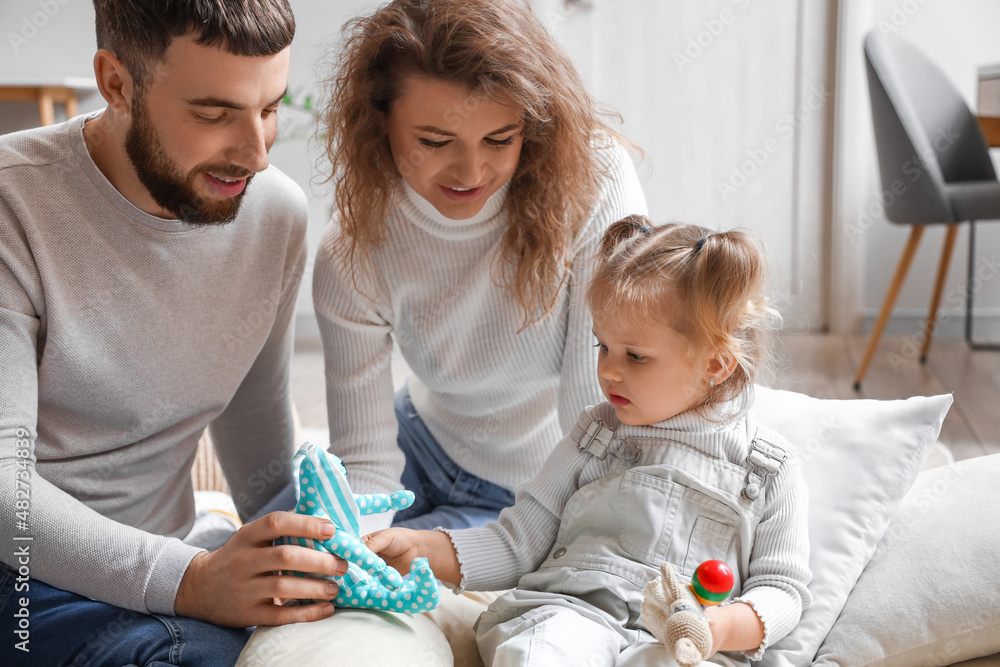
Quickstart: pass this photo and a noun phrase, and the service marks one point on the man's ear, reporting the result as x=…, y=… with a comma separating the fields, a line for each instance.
x=721, y=365
x=114, y=81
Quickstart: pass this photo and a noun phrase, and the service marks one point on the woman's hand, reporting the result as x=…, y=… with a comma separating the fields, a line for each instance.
x=399, y=546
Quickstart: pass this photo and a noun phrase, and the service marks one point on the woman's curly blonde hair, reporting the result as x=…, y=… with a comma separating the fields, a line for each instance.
x=710, y=287
x=497, y=50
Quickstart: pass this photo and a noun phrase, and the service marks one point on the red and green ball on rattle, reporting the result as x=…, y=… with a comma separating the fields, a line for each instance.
x=712, y=583
x=672, y=610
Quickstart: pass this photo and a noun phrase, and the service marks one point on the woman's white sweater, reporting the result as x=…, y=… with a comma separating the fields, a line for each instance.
x=497, y=401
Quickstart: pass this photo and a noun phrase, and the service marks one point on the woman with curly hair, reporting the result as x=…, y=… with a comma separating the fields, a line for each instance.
x=473, y=180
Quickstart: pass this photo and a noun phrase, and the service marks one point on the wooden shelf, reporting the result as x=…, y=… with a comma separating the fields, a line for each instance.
x=991, y=129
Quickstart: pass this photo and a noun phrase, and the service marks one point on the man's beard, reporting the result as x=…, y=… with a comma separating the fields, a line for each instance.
x=169, y=187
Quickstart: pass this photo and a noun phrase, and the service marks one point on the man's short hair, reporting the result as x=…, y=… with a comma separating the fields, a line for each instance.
x=139, y=32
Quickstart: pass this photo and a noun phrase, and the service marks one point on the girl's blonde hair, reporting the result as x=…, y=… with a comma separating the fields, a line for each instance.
x=710, y=287
x=495, y=49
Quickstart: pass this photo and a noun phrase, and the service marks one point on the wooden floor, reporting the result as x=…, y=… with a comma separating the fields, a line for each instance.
x=821, y=366
x=824, y=366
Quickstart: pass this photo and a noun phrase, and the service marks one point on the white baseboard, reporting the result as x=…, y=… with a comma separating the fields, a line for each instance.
x=951, y=323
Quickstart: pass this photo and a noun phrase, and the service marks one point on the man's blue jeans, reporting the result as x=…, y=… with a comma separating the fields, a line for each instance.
x=446, y=495
x=68, y=629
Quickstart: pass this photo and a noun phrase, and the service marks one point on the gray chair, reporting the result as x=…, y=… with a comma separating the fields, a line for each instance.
x=934, y=164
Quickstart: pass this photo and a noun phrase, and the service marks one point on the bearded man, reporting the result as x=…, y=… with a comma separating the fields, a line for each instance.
x=149, y=264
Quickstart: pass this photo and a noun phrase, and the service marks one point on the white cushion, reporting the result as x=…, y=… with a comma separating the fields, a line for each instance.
x=859, y=458
x=929, y=594
x=355, y=637
x=438, y=638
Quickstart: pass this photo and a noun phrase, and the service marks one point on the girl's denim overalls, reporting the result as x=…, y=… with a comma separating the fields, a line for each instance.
x=660, y=501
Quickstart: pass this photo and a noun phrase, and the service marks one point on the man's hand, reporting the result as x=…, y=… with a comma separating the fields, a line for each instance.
x=399, y=546
x=235, y=586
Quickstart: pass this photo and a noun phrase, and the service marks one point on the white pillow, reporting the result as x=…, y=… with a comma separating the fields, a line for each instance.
x=351, y=638
x=859, y=458
x=929, y=594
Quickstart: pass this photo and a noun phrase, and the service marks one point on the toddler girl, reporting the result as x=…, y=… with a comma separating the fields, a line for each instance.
x=673, y=467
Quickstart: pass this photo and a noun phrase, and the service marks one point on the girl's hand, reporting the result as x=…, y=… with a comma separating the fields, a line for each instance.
x=735, y=627
x=396, y=546
x=399, y=546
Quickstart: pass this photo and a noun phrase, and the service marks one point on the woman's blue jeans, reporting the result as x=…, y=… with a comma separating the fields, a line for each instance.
x=446, y=495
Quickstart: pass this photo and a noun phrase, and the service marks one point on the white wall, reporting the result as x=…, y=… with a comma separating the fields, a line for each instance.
x=297, y=152
x=46, y=39
x=959, y=35
x=55, y=38
x=731, y=101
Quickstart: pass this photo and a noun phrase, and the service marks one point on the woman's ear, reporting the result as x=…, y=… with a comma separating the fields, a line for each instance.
x=721, y=365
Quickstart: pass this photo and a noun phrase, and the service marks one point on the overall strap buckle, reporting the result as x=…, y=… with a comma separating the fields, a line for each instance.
x=764, y=460
x=599, y=440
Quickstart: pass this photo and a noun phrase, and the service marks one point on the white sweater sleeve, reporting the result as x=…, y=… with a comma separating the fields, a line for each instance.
x=779, y=563
x=495, y=556
x=357, y=351
x=620, y=195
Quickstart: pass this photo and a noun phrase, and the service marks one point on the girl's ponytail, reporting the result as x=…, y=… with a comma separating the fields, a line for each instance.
x=627, y=229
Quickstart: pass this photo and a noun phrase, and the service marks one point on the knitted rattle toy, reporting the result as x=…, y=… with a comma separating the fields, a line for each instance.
x=671, y=611
x=322, y=490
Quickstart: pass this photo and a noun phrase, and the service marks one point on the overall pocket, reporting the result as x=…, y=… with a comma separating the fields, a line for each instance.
x=664, y=520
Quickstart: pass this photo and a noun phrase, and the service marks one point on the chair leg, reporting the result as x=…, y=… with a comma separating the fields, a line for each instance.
x=943, y=264
x=974, y=345
x=890, y=299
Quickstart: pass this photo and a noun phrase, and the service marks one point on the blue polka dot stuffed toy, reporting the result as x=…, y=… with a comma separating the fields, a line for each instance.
x=321, y=489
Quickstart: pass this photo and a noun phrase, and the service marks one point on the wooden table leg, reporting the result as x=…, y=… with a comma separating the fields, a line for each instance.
x=46, y=107
x=71, y=107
